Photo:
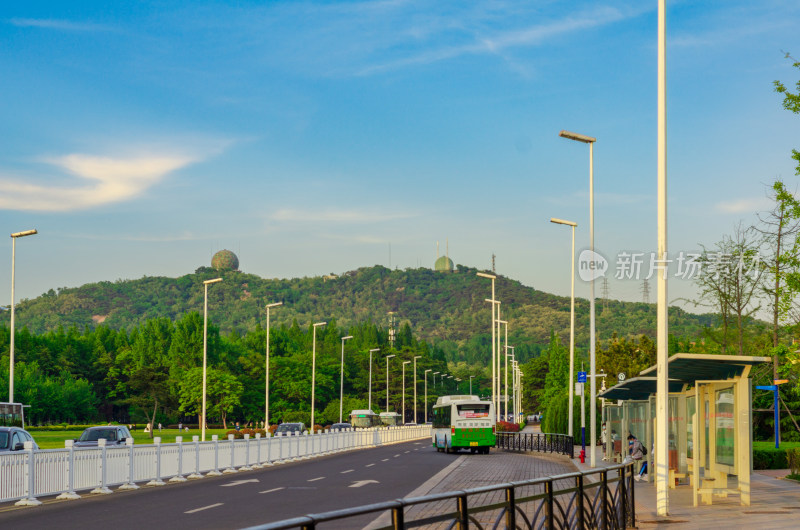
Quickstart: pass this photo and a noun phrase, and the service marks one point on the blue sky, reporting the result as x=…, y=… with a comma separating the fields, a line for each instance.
x=308, y=137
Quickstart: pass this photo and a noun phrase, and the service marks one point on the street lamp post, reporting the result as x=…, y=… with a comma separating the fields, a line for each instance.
x=494, y=352
x=387, y=380
x=14, y=238
x=592, y=386
x=662, y=338
x=505, y=353
x=205, y=353
x=314, y=369
x=571, y=322
x=512, y=380
x=425, y=375
x=441, y=380
x=404, y=390
x=470, y=383
x=341, y=379
x=266, y=392
x=369, y=392
x=415, y=386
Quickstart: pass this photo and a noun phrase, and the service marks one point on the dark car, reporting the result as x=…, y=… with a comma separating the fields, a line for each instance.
x=291, y=428
x=113, y=434
x=340, y=427
x=14, y=438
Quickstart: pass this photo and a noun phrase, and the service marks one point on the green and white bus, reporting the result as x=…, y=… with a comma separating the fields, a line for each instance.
x=463, y=422
x=364, y=419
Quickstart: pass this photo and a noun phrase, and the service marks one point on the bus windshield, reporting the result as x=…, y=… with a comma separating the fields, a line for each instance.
x=476, y=410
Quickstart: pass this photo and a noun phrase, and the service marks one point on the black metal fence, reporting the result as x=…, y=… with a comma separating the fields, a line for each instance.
x=534, y=441
x=601, y=498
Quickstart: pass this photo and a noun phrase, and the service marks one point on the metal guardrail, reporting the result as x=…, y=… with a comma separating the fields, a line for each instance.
x=26, y=475
x=534, y=441
x=601, y=498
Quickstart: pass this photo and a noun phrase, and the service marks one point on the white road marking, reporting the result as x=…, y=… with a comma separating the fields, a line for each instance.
x=347, y=471
x=385, y=460
x=369, y=465
x=314, y=479
x=238, y=482
x=396, y=456
x=204, y=508
x=408, y=451
x=273, y=489
x=360, y=483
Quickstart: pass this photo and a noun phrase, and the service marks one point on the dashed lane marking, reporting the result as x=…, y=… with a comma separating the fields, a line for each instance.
x=396, y=456
x=369, y=465
x=314, y=479
x=385, y=460
x=346, y=471
x=273, y=489
x=408, y=451
x=204, y=508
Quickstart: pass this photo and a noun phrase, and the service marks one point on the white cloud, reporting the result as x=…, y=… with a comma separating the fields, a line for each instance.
x=51, y=23
x=337, y=216
x=743, y=205
x=103, y=180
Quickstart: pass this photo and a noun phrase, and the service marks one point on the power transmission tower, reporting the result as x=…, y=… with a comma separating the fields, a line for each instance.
x=645, y=291
x=604, y=291
x=494, y=271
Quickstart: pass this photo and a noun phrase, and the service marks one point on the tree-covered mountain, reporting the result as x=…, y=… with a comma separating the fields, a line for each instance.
x=447, y=309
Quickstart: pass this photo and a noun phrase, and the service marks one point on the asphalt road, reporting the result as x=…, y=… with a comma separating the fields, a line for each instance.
x=248, y=498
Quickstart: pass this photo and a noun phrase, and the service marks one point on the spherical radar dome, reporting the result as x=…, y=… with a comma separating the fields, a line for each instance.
x=443, y=264
x=225, y=260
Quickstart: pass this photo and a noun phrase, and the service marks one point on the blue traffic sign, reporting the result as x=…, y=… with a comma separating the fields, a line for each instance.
x=581, y=377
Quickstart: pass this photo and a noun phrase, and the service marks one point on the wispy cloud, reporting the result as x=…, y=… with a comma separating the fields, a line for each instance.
x=337, y=216
x=57, y=24
x=102, y=180
x=743, y=205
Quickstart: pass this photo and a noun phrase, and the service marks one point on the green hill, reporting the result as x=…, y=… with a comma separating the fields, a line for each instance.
x=446, y=309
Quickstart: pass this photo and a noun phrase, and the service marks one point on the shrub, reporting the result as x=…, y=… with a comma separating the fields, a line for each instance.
x=272, y=429
x=504, y=426
x=770, y=458
x=793, y=460
x=237, y=435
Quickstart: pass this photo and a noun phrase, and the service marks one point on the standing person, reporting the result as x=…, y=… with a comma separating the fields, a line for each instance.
x=237, y=426
x=159, y=427
x=604, y=440
x=180, y=427
x=637, y=451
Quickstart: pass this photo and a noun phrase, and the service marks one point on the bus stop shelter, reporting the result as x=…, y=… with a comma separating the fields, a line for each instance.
x=709, y=423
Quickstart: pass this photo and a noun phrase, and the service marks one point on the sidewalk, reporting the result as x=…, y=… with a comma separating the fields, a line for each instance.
x=774, y=503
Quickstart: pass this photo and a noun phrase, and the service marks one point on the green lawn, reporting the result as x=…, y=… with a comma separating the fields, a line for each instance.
x=55, y=439
x=771, y=445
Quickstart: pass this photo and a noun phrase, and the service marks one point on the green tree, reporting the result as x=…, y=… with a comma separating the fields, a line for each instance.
x=791, y=102
x=223, y=393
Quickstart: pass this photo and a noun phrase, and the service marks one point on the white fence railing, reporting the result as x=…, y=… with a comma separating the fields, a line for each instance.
x=26, y=475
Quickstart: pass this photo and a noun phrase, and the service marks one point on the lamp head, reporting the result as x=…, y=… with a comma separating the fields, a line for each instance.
x=563, y=222
x=215, y=280
x=484, y=275
x=24, y=233
x=577, y=137
x=276, y=304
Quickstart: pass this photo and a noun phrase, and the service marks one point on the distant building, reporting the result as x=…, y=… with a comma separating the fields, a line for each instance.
x=225, y=260
x=443, y=263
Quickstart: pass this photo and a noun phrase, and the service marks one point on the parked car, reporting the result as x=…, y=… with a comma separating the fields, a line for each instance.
x=113, y=434
x=340, y=427
x=14, y=438
x=289, y=428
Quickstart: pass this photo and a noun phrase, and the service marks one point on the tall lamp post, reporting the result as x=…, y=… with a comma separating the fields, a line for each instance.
x=314, y=369
x=470, y=383
x=662, y=338
x=266, y=392
x=441, y=380
x=404, y=390
x=205, y=353
x=415, y=386
x=499, y=361
x=14, y=237
x=592, y=386
x=341, y=379
x=512, y=379
x=369, y=392
x=387, y=380
x=494, y=352
x=425, y=375
x=571, y=322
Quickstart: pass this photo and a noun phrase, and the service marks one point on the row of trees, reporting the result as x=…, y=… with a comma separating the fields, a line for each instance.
x=153, y=373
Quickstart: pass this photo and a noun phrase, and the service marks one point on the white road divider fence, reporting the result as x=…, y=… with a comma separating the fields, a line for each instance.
x=29, y=474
